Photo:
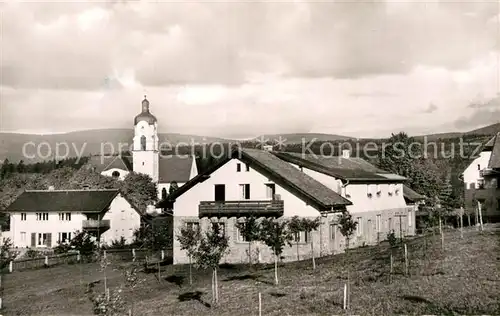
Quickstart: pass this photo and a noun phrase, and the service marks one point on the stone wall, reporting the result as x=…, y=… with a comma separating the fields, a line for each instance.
x=327, y=240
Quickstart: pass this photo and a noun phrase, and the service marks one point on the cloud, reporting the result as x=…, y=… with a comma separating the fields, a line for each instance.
x=484, y=113
x=431, y=108
x=491, y=103
x=245, y=68
x=75, y=46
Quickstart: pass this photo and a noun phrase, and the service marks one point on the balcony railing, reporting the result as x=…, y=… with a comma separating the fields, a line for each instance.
x=269, y=208
x=91, y=224
x=488, y=172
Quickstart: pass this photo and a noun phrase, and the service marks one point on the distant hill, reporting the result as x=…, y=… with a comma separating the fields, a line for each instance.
x=486, y=130
x=16, y=146
x=298, y=138
x=108, y=141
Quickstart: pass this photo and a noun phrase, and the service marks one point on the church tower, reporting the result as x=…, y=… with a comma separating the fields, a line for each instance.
x=145, y=152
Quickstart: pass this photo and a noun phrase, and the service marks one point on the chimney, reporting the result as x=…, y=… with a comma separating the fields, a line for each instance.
x=51, y=188
x=346, y=153
x=268, y=147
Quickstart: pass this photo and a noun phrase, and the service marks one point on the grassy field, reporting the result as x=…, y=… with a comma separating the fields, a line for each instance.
x=464, y=278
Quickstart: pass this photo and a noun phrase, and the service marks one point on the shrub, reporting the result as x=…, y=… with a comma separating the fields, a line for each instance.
x=393, y=240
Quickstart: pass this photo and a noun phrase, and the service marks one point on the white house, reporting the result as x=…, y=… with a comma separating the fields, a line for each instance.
x=265, y=184
x=147, y=157
x=42, y=218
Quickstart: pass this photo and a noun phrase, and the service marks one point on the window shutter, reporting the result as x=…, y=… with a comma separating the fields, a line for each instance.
x=49, y=240
x=33, y=239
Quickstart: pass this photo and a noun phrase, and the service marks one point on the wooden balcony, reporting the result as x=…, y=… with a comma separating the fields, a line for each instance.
x=263, y=208
x=488, y=172
x=96, y=225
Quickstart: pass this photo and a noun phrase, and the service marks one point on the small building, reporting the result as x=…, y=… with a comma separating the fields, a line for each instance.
x=43, y=218
x=481, y=182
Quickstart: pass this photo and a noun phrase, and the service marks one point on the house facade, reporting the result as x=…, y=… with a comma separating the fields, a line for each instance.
x=266, y=184
x=43, y=218
x=481, y=182
x=147, y=157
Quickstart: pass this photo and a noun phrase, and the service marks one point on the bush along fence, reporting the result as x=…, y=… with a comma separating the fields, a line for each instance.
x=117, y=255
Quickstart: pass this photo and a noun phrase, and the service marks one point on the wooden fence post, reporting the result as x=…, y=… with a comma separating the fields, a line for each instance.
x=162, y=255
x=260, y=304
x=104, y=253
x=392, y=268
x=78, y=256
x=11, y=266
x=133, y=254
x=345, y=295
x=46, y=261
x=406, y=260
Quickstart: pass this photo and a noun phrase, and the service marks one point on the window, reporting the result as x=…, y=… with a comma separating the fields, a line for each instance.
x=42, y=216
x=359, y=227
x=64, y=237
x=221, y=227
x=23, y=236
x=240, y=235
x=248, y=167
x=143, y=143
x=245, y=191
x=410, y=218
x=123, y=214
x=68, y=216
x=389, y=224
x=270, y=190
x=333, y=231
x=238, y=167
x=23, y=216
x=220, y=192
x=193, y=225
x=377, y=223
x=43, y=239
x=115, y=174
x=478, y=167
x=61, y=216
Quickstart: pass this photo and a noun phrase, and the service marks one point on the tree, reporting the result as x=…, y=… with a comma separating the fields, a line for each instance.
x=82, y=242
x=189, y=238
x=6, y=253
x=275, y=234
x=20, y=167
x=140, y=190
x=173, y=188
x=347, y=227
x=155, y=237
x=213, y=245
x=310, y=225
x=295, y=227
x=250, y=231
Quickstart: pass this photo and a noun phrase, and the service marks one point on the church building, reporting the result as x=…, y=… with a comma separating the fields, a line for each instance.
x=147, y=157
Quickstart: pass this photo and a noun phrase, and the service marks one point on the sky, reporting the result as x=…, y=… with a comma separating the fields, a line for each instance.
x=241, y=69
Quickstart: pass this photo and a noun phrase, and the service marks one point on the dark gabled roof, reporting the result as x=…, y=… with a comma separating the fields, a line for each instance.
x=175, y=168
x=352, y=169
x=88, y=201
x=279, y=171
x=411, y=195
x=494, y=162
x=103, y=163
x=490, y=144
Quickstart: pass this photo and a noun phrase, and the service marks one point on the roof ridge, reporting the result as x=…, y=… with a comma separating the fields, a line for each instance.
x=73, y=190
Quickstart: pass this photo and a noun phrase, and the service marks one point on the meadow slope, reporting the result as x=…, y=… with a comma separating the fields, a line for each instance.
x=462, y=279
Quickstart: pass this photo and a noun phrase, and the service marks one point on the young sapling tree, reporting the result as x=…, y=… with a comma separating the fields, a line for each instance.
x=275, y=234
x=213, y=245
x=250, y=231
x=347, y=228
x=310, y=225
x=189, y=238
